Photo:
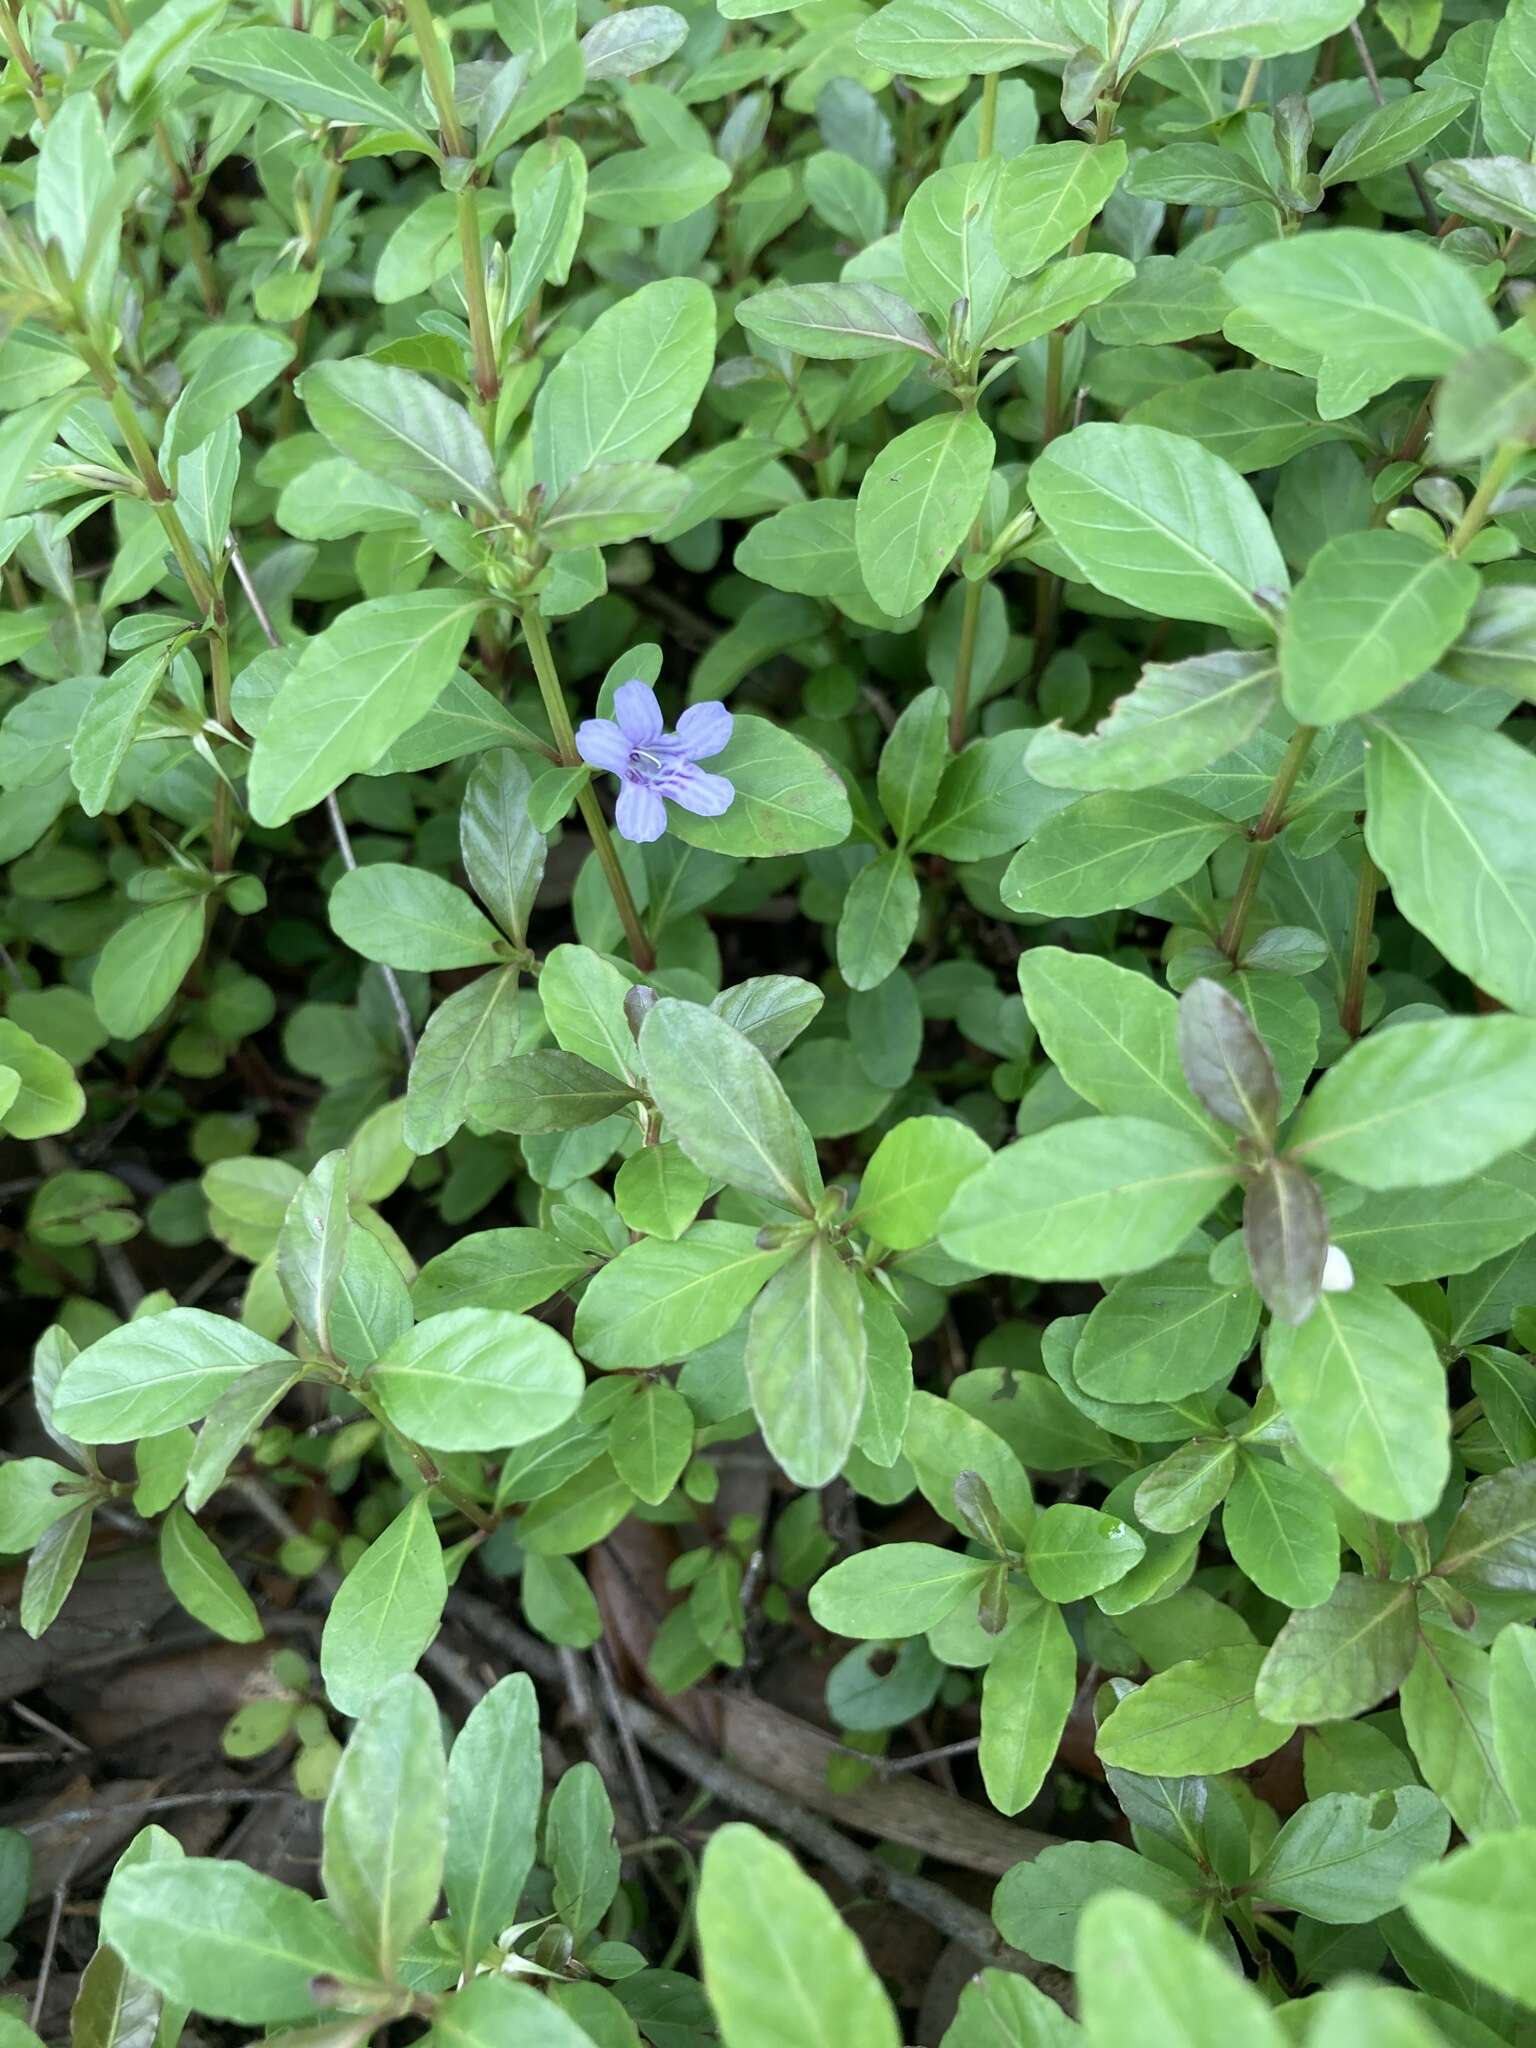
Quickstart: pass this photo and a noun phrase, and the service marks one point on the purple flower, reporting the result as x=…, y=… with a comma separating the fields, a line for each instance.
x=652, y=763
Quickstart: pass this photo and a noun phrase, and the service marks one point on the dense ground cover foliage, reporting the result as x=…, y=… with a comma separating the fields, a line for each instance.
x=768, y=893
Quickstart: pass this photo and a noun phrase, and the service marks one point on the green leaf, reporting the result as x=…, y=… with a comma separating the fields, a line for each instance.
x=659, y=1300
x=226, y=1940
x=916, y=1169
x=1159, y=1335
x=538, y=1092
x=308, y=75
x=949, y=249
x=1511, y=1692
x=1373, y=611
x=916, y=504
x=477, y=1379
x=1196, y=1717
x=508, y=1269
x=46, y=1097
x=835, y=322
x=1475, y=1906
x=659, y=1191
x=1144, y=1979
x=53, y=1568
x=805, y=1362
x=399, y=426
x=225, y=381
x=1110, y=850
x=409, y=917
x=1085, y=1199
x=1417, y=1104
x=1392, y=135
x=1026, y=1696
x=1278, y=1524
x=1113, y=1034
x=1363, y=1388
x=1448, y=1720
x=149, y=1375
x=312, y=1247
x=878, y=922
x=646, y=188
x=1286, y=1239
x=1445, y=823
x=355, y=690
x=469, y=1038
x=1160, y=522
x=1382, y=307
x=650, y=1441
x=942, y=38
x=628, y=387
x=76, y=207
x=1226, y=1063
x=144, y=963
x=1055, y=297
x=725, y=1106
x=162, y=45
x=1073, y=1551
x=203, y=1583
x=896, y=1589
x=1048, y=195
x=386, y=1820
x=232, y=1420
x=1342, y=1657
x=788, y=798
x=1345, y=1859
x=503, y=851
x=780, y=1963
x=1039, y=1905
x=614, y=502
x=495, y=1785
x=386, y=1611
x=34, y=1494
x=580, y=1850
x=1254, y=419
x=491, y=2010
x=1178, y=719
x=949, y=1450
x=110, y=725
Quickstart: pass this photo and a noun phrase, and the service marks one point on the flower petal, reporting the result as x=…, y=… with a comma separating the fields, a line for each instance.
x=641, y=815
x=638, y=713
x=601, y=744
x=705, y=795
x=704, y=729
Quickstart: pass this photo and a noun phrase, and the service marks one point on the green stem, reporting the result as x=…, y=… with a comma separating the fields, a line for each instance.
x=1352, y=1007
x=986, y=131
x=482, y=341
x=218, y=663
x=1495, y=476
x=1266, y=829
x=434, y=64
x=542, y=655
x=965, y=658
x=10, y=30
x=426, y=1465
x=105, y=373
